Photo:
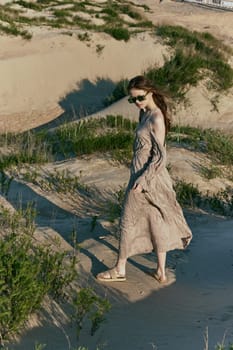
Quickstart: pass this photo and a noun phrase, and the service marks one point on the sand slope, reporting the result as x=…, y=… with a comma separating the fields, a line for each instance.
x=55, y=73
x=199, y=293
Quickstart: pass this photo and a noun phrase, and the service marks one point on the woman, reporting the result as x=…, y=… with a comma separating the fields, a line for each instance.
x=151, y=219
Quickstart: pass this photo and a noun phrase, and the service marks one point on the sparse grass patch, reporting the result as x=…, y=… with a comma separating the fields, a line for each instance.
x=61, y=13
x=100, y=135
x=119, y=92
x=84, y=36
x=177, y=74
x=110, y=12
x=217, y=145
x=210, y=172
x=118, y=33
x=27, y=147
x=28, y=272
x=204, y=42
x=9, y=23
x=195, y=56
x=13, y=30
x=30, y=5
x=114, y=207
x=59, y=182
x=188, y=195
x=88, y=305
x=113, y=134
x=207, y=54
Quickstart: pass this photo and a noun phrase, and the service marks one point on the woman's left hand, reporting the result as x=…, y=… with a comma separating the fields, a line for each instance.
x=137, y=188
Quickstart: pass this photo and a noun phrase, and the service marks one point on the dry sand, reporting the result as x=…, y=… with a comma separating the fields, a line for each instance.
x=54, y=73
x=199, y=294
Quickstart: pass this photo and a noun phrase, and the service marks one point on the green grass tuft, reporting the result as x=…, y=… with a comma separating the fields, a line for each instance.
x=118, y=33
x=28, y=271
x=217, y=145
x=205, y=53
x=188, y=195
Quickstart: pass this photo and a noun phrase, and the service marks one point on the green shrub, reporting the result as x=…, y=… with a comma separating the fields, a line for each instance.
x=28, y=147
x=5, y=182
x=188, y=195
x=92, y=136
x=59, y=182
x=195, y=56
x=128, y=10
x=207, y=52
x=118, y=33
x=27, y=271
x=88, y=305
x=217, y=145
x=111, y=12
x=30, y=5
x=177, y=73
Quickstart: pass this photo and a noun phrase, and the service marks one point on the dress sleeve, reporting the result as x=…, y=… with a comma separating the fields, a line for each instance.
x=155, y=164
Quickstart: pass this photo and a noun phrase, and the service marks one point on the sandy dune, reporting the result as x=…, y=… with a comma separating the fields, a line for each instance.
x=55, y=73
x=199, y=294
x=44, y=80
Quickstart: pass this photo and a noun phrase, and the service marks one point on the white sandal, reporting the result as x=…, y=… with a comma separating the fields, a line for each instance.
x=110, y=276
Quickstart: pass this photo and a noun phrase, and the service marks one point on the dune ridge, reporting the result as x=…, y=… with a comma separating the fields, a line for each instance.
x=56, y=78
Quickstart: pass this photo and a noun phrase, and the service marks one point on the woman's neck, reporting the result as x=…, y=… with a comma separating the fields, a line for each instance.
x=151, y=106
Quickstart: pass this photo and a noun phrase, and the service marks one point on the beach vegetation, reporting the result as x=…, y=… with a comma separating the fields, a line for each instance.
x=24, y=148
x=99, y=48
x=70, y=17
x=58, y=181
x=208, y=55
x=84, y=36
x=30, y=271
x=189, y=195
x=30, y=5
x=118, y=33
x=194, y=57
x=118, y=92
x=217, y=145
x=113, y=134
x=61, y=13
x=88, y=305
x=115, y=205
x=210, y=172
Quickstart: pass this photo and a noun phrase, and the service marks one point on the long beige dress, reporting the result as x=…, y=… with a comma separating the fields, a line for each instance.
x=153, y=219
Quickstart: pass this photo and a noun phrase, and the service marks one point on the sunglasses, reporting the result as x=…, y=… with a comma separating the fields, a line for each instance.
x=139, y=98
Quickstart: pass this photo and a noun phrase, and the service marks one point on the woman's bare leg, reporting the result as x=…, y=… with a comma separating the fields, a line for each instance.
x=161, y=273
x=121, y=266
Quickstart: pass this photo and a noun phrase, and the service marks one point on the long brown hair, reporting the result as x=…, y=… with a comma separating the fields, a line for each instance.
x=142, y=83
